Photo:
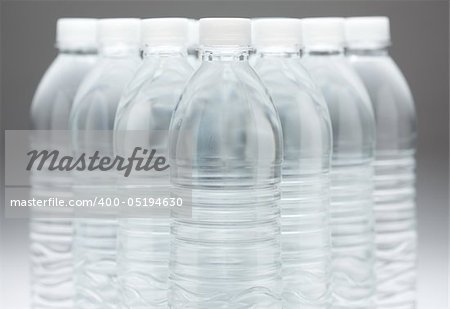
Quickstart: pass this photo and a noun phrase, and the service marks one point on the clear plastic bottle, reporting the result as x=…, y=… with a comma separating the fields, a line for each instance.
x=51, y=238
x=307, y=141
x=146, y=107
x=395, y=219
x=353, y=124
x=225, y=151
x=94, y=110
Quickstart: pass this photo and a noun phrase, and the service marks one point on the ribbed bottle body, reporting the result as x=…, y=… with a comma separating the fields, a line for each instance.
x=51, y=237
x=307, y=142
x=225, y=152
x=351, y=184
x=353, y=279
x=395, y=214
x=144, y=113
x=92, y=121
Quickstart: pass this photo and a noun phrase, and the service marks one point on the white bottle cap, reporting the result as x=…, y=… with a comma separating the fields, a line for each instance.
x=225, y=31
x=119, y=30
x=277, y=32
x=193, y=33
x=367, y=31
x=80, y=33
x=165, y=31
x=324, y=31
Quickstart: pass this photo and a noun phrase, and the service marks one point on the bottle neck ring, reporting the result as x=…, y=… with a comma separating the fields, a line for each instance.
x=224, y=53
x=76, y=49
x=366, y=50
x=164, y=51
x=324, y=50
x=290, y=52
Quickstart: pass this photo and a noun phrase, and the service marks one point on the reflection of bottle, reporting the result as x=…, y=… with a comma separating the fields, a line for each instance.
x=225, y=151
x=51, y=238
x=146, y=108
x=395, y=219
x=94, y=110
x=353, y=124
x=305, y=233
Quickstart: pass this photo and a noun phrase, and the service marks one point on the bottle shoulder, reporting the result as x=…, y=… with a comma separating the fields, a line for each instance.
x=349, y=105
x=226, y=84
x=65, y=72
x=335, y=70
x=99, y=93
x=54, y=95
x=156, y=72
x=289, y=79
x=392, y=101
x=381, y=74
x=227, y=78
x=288, y=71
x=152, y=92
x=339, y=83
x=105, y=76
x=223, y=104
x=299, y=102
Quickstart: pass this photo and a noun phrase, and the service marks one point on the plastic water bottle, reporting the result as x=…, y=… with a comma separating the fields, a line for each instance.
x=51, y=238
x=395, y=220
x=305, y=230
x=146, y=106
x=94, y=110
x=353, y=124
x=225, y=151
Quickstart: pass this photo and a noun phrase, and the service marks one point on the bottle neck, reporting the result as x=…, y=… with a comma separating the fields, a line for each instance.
x=324, y=50
x=224, y=53
x=164, y=51
x=118, y=50
x=367, y=51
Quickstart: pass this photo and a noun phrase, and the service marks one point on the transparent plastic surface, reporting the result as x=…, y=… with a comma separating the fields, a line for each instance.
x=307, y=141
x=353, y=124
x=99, y=94
x=225, y=153
x=51, y=238
x=54, y=96
x=395, y=217
x=94, y=110
x=147, y=105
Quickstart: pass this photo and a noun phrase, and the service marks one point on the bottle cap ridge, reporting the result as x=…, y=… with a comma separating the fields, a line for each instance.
x=165, y=31
x=225, y=31
x=277, y=32
x=370, y=30
x=125, y=30
x=76, y=33
x=323, y=31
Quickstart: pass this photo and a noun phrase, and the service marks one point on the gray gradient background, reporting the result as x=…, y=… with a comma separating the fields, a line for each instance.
x=420, y=33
